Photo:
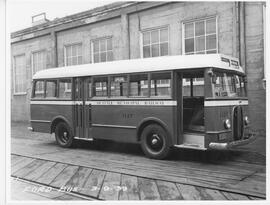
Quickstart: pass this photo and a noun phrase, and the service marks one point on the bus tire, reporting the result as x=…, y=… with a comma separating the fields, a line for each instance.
x=155, y=142
x=63, y=135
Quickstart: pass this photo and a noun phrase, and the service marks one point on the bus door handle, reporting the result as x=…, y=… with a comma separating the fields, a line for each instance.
x=89, y=114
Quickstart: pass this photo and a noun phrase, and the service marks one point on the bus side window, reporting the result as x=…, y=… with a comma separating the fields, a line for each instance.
x=51, y=89
x=100, y=87
x=64, y=92
x=39, y=89
x=161, y=84
x=138, y=85
x=119, y=86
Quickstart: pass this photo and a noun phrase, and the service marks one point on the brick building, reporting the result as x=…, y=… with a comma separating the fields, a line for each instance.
x=130, y=30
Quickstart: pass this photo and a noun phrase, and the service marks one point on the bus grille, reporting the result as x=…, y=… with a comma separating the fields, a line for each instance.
x=238, y=124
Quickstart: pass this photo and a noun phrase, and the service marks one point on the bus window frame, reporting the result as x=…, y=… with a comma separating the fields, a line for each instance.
x=129, y=87
x=170, y=96
x=58, y=89
x=34, y=90
x=45, y=90
x=110, y=83
x=93, y=87
x=219, y=70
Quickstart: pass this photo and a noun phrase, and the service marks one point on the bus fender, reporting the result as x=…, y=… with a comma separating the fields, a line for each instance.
x=57, y=119
x=152, y=120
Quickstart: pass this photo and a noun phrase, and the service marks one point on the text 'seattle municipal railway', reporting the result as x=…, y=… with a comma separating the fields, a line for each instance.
x=192, y=101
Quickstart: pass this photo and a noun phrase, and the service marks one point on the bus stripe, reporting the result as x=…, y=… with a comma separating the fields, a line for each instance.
x=108, y=102
x=214, y=103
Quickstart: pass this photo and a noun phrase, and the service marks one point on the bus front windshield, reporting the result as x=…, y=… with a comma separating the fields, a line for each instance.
x=228, y=85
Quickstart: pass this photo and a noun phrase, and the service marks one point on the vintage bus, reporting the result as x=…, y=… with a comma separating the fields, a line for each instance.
x=191, y=101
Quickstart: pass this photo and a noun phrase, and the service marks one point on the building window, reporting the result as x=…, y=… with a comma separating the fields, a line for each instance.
x=102, y=50
x=19, y=75
x=73, y=54
x=200, y=37
x=155, y=43
x=38, y=61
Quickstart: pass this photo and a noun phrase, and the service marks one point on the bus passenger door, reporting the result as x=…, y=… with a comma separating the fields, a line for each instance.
x=78, y=108
x=87, y=108
x=82, y=110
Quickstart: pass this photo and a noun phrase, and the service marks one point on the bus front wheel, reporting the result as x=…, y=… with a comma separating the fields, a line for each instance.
x=63, y=135
x=155, y=142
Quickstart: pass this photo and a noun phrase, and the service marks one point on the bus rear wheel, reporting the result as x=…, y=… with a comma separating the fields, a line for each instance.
x=155, y=142
x=63, y=135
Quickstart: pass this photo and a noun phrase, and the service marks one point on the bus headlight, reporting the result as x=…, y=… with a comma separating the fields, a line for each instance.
x=227, y=124
x=246, y=120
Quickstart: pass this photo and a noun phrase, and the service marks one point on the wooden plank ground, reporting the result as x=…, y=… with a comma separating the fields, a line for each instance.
x=107, y=185
x=93, y=184
x=129, y=188
x=49, y=176
x=110, y=188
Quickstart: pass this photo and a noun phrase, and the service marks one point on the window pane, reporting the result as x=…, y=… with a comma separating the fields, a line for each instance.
x=110, y=56
x=119, y=86
x=80, y=60
x=109, y=44
x=96, y=46
x=211, y=26
x=146, y=38
x=51, y=88
x=103, y=57
x=155, y=50
x=100, y=87
x=20, y=74
x=103, y=45
x=74, y=61
x=164, y=47
x=211, y=42
x=163, y=35
x=79, y=50
x=199, y=28
x=96, y=58
x=200, y=43
x=68, y=51
x=161, y=84
x=189, y=45
x=146, y=51
x=189, y=30
x=138, y=85
x=74, y=50
x=154, y=36
x=69, y=61
x=64, y=89
x=211, y=51
x=39, y=89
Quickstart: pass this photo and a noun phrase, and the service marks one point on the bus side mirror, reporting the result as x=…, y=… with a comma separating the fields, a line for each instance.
x=214, y=79
x=212, y=76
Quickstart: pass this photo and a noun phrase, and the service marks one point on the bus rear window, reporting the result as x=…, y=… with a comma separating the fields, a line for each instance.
x=161, y=84
x=51, y=89
x=39, y=89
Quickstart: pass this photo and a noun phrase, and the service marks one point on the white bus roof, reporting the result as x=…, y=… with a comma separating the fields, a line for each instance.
x=143, y=65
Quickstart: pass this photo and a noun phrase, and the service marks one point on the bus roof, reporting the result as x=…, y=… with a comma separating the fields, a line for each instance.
x=143, y=65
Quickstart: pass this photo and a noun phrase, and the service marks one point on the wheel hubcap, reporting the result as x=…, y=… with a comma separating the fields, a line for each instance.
x=155, y=142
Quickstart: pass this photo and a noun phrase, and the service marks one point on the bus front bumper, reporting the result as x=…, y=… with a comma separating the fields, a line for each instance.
x=228, y=145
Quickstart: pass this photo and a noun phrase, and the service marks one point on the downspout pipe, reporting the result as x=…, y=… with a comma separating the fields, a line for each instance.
x=242, y=34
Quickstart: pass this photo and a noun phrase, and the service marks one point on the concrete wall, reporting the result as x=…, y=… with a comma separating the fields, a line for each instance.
x=125, y=29
x=20, y=109
x=255, y=65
